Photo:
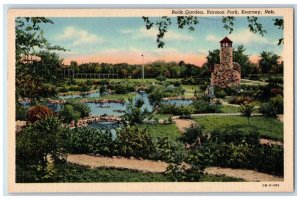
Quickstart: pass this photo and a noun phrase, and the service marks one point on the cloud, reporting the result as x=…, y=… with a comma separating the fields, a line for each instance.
x=170, y=35
x=212, y=38
x=77, y=37
x=243, y=36
x=126, y=31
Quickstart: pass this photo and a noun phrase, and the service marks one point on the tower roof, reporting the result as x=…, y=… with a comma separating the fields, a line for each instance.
x=226, y=39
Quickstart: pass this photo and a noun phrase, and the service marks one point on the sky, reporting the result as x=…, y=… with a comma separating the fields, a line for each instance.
x=123, y=39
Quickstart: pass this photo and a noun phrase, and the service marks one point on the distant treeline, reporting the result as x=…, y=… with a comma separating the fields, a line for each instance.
x=151, y=70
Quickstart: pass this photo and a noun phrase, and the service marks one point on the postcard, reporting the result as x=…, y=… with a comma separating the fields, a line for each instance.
x=151, y=100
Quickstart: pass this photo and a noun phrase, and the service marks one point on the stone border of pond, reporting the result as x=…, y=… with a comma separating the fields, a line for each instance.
x=94, y=119
x=178, y=98
x=102, y=101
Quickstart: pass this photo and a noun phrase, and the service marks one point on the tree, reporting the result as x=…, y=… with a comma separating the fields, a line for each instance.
x=68, y=114
x=267, y=62
x=34, y=78
x=134, y=114
x=243, y=59
x=163, y=23
x=246, y=110
x=213, y=58
x=238, y=55
x=41, y=142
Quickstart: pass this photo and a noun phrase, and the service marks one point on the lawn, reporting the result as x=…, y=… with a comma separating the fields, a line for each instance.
x=126, y=80
x=268, y=127
x=190, y=90
x=163, y=130
x=71, y=173
x=161, y=116
x=229, y=109
x=252, y=82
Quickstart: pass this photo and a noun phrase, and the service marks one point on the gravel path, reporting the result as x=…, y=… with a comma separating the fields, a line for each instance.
x=182, y=124
x=247, y=175
x=120, y=162
x=159, y=167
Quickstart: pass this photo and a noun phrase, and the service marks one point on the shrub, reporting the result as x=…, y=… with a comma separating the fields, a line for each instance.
x=63, y=89
x=102, y=89
x=74, y=88
x=90, y=140
x=182, y=173
x=275, y=81
x=134, y=113
x=71, y=81
x=161, y=78
x=89, y=82
x=82, y=108
x=269, y=159
x=175, y=109
x=40, y=140
x=194, y=133
x=169, y=151
x=21, y=112
x=278, y=103
x=84, y=88
x=193, y=172
x=201, y=106
x=240, y=100
x=276, y=91
x=264, y=158
x=38, y=112
x=246, y=110
x=134, y=141
x=67, y=114
x=124, y=88
x=236, y=134
x=268, y=109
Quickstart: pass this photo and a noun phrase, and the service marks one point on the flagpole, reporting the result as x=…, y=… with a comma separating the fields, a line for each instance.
x=143, y=72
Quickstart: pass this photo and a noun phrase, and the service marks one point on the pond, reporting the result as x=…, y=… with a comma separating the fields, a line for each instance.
x=112, y=108
x=109, y=126
x=178, y=102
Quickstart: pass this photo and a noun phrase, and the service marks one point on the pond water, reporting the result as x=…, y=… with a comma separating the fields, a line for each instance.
x=110, y=126
x=178, y=102
x=116, y=109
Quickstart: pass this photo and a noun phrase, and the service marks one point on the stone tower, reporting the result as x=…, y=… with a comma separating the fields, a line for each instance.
x=227, y=73
x=226, y=57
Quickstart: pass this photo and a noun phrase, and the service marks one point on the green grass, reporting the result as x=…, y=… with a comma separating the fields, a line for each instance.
x=190, y=90
x=126, y=80
x=220, y=178
x=71, y=173
x=161, y=116
x=268, y=127
x=229, y=109
x=252, y=82
x=163, y=130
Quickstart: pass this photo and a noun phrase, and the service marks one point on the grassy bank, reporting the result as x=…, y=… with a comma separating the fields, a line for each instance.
x=71, y=173
x=163, y=130
x=268, y=127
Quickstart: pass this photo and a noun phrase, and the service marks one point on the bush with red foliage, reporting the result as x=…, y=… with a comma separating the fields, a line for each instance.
x=38, y=112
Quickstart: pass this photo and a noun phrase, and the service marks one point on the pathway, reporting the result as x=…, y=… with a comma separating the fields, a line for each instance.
x=247, y=175
x=117, y=162
x=218, y=114
x=183, y=124
x=160, y=167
